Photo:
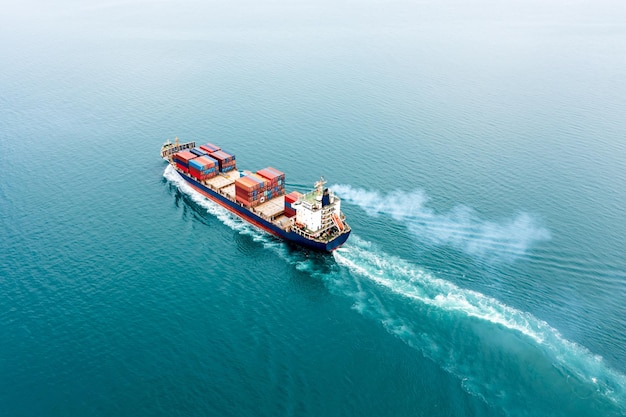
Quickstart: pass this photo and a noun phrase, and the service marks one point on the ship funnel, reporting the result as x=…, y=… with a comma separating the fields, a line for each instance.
x=325, y=198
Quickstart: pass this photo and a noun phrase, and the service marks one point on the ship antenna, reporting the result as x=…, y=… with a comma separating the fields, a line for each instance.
x=320, y=185
x=176, y=140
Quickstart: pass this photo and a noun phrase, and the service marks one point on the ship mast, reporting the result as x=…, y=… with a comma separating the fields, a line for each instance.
x=319, y=185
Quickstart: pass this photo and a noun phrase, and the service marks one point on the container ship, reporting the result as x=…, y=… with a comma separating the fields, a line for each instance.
x=313, y=220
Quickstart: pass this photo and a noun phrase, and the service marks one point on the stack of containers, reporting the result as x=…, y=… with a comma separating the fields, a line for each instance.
x=249, y=190
x=210, y=148
x=182, y=159
x=275, y=182
x=203, y=168
x=225, y=160
x=291, y=198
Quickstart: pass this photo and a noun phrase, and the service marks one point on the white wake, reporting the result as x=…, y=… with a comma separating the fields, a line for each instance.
x=420, y=287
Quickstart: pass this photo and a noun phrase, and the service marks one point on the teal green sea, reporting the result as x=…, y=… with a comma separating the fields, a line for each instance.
x=479, y=149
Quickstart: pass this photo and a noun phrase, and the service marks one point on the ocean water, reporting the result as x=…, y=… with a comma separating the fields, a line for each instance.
x=480, y=152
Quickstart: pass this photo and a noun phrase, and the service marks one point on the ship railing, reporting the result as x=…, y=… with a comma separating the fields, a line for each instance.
x=322, y=236
x=172, y=149
x=306, y=234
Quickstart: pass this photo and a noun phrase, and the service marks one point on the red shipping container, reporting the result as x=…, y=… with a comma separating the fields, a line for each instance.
x=195, y=173
x=271, y=174
x=292, y=197
x=289, y=212
x=210, y=148
x=245, y=196
x=246, y=184
x=222, y=156
x=199, y=175
x=260, y=180
x=182, y=168
x=250, y=183
x=246, y=202
x=185, y=156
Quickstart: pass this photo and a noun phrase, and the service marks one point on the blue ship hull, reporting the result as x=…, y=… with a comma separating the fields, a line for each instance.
x=263, y=224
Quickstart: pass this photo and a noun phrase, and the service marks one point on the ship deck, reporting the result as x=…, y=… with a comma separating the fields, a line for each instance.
x=229, y=191
x=284, y=222
x=271, y=208
x=223, y=180
x=309, y=197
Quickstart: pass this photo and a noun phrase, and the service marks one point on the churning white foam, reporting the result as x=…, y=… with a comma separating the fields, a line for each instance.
x=410, y=282
x=461, y=227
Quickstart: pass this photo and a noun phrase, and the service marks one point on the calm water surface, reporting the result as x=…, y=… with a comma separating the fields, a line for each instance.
x=480, y=151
